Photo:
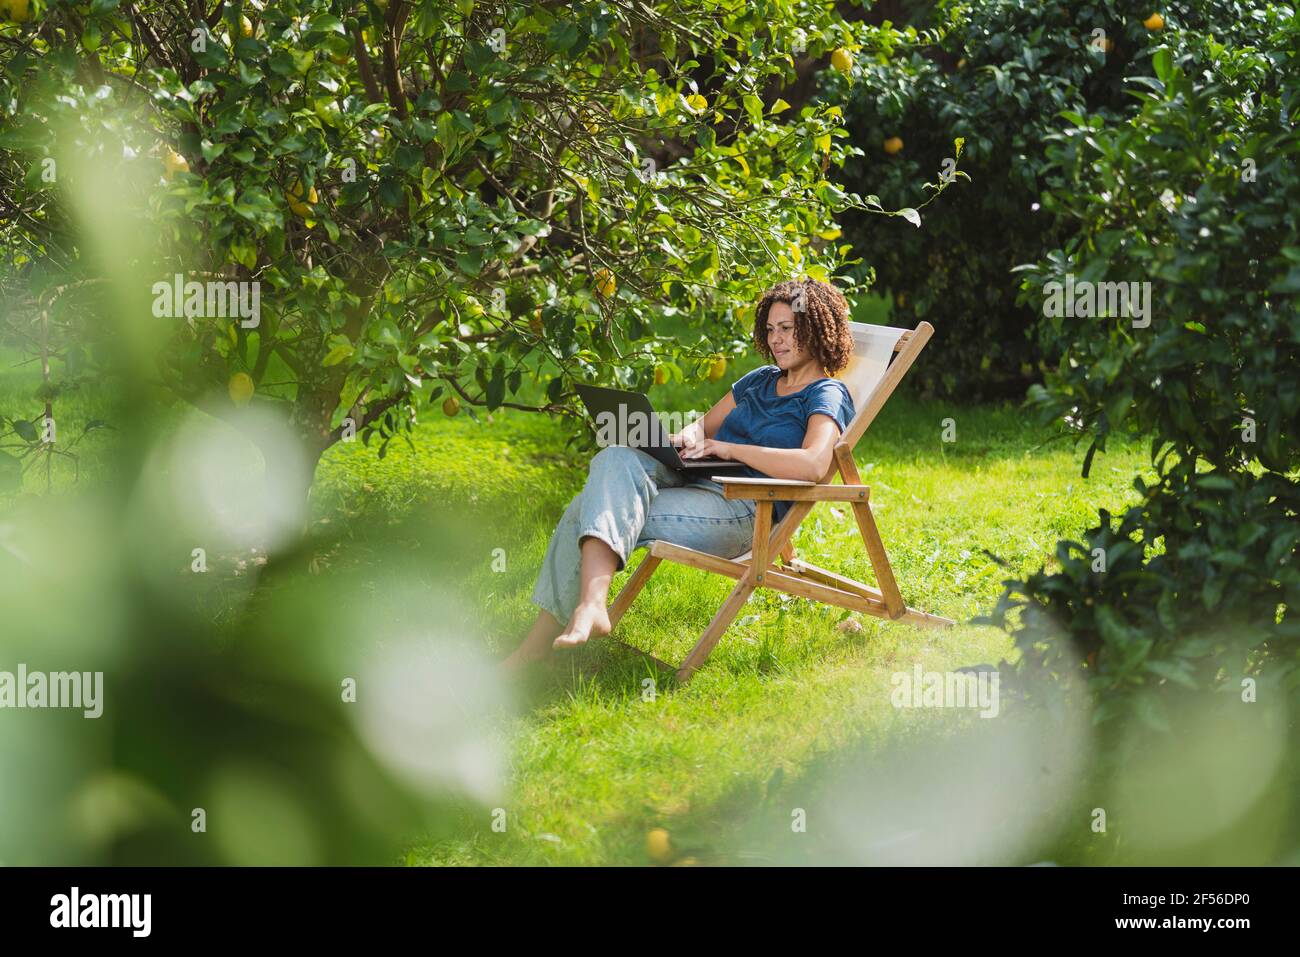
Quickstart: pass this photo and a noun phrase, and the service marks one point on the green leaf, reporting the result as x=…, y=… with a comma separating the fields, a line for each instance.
x=496, y=389
x=1288, y=283
x=336, y=355
x=1118, y=407
x=390, y=191
x=1173, y=671
x=1212, y=591
x=470, y=262
x=561, y=37
x=1215, y=483
x=1163, y=61
x=326, y=23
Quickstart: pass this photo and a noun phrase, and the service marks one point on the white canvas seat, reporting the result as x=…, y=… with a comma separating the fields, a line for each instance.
x=873, y=347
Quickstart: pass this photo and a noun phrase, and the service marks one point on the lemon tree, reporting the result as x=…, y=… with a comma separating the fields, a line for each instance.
x=439, y=200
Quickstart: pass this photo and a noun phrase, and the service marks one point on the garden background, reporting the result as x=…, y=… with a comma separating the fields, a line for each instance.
x=295, y=538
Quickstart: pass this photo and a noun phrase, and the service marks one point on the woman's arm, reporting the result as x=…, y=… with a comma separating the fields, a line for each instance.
x=700, y=430
x=806, y=464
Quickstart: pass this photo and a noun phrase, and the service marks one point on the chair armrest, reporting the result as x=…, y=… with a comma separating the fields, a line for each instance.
x=744, y=480
x=789, y=490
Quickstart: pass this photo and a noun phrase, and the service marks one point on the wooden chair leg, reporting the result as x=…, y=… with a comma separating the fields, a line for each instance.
x=879, y=560
x=632, y=588
x=894, y=603
x=762, y=534
x=730, y=608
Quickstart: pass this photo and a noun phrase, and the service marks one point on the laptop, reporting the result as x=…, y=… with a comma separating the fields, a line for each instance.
x=630, y=409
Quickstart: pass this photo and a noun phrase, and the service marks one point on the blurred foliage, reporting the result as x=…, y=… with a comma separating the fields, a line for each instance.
x=1199, y=194
x=997, y=73
x=232, y=738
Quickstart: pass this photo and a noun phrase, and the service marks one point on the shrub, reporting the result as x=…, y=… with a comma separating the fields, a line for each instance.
x=1197, y=195
x=997, y=73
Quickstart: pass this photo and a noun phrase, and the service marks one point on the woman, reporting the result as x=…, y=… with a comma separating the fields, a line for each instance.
x=779, y=421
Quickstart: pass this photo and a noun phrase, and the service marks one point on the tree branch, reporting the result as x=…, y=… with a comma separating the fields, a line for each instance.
x=363, y=64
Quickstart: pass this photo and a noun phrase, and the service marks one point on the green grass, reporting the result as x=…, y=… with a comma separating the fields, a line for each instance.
x=595, y=764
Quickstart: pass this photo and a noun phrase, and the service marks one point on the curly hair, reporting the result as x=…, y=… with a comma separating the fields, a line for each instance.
x=821, y=328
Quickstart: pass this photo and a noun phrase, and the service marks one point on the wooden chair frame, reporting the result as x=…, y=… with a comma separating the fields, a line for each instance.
x=795, y=576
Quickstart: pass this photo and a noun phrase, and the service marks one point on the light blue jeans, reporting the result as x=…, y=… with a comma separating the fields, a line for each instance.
x=629, y=501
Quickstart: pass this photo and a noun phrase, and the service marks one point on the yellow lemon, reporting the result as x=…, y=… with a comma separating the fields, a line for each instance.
x=296, y=202
x=19, y=10
x=717, y=369
x=245, y=27
x=893, y=145
x=661, y=375
x=1154, y=22
x=451, y=406
x=697, y=103
x=605, y=283
x=842, y=60
x=657, y=846
x=535, y=323
x=174, y=162
x=240, y=387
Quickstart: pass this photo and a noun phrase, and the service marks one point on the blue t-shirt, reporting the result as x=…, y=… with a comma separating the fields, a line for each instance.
x=761, y=417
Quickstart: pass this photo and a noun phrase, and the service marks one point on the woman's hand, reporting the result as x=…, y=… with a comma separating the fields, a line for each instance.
x=710, y=449
x=694, y=432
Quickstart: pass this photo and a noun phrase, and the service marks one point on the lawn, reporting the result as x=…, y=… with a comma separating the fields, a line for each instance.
x=602, y=749
x=596, y=759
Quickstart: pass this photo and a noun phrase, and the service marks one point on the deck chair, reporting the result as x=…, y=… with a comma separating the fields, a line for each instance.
x=871, y=378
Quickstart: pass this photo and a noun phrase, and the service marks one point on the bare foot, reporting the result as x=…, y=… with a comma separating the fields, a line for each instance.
x=588, y=621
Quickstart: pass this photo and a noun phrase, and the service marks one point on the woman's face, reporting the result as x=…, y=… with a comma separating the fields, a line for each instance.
x=780, y=337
